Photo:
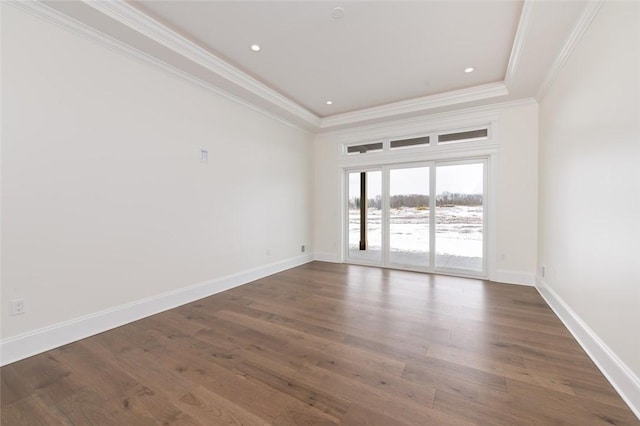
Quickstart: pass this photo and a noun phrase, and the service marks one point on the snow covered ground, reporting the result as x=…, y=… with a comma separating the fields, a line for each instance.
x=458, y=237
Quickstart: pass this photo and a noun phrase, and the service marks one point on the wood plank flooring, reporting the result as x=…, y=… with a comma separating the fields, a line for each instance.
x=325, y=344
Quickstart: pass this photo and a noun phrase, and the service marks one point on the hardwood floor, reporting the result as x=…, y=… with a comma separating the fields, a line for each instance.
x=325, y=344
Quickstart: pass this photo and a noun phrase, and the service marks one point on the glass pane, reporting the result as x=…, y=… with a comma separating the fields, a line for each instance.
x=472, y=135
x=459, y=217
x=361, y=149
x=365, y=245
x=409, y=216
x=405, y=143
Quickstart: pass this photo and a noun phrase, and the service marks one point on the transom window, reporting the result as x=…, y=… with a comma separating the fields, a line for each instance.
x=422, y=142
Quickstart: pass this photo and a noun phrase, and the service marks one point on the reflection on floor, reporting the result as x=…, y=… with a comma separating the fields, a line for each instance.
x=417, y=259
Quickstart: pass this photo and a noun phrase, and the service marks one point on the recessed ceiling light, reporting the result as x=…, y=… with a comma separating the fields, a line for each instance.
x=329, y=102
x=255, y=47
x=337, y=13
x=468, y=70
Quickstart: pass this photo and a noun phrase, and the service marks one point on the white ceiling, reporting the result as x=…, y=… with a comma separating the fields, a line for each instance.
x=382, y=60
x=377, y=53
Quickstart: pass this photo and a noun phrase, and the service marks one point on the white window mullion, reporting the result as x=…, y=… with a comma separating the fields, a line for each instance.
x=432, y=216
x=486, y=212
x=385, y=216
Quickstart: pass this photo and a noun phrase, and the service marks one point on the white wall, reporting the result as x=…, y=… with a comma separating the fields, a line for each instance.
x=514, y=234
x=589, y=235
x=517, y=193
x=104, y=200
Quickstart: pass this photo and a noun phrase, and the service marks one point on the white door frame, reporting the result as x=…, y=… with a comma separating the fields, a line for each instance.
x=488, y=214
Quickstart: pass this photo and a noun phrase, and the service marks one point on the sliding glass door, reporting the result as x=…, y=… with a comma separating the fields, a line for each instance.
x=425, y=216
x=409, y=220
x=460, y=217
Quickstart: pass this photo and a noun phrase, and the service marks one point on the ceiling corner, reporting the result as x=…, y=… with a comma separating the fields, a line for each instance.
x=589, y=12
x=526, y=17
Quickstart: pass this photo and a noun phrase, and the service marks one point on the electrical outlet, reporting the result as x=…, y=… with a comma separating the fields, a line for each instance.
x=17, y=307
x=543, y=271
x=303, y=248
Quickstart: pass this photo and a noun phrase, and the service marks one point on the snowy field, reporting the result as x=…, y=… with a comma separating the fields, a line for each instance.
x=458, y=237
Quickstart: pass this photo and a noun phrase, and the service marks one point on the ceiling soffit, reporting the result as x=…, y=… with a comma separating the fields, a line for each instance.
x=122, y=23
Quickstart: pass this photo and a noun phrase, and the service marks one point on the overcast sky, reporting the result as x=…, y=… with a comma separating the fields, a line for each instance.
x=465, y=179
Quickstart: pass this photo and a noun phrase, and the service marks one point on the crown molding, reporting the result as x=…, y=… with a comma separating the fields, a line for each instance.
x=432, y=122
x=128, y=15
x=519, y=41
x=52, y=16
x=140, y=22
x=275, y=105
x=415, y=106
x=590, y=11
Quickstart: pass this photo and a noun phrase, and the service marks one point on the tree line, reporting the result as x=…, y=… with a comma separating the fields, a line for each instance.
x=419, y=200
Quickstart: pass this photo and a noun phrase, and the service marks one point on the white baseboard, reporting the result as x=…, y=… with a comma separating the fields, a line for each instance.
x=501, y=275
x=514, y=277
x=619, y=375
x=34, y=342
x=326, y=257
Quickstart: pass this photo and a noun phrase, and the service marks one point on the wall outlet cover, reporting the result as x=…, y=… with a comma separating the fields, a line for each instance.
x=17, y=307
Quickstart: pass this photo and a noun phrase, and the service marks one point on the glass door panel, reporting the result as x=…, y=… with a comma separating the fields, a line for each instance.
x=459, y=239
x=409, y=216
x=365, y=216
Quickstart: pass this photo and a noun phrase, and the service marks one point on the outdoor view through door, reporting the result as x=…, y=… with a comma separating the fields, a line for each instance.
x=459, y=217
x=365, y=216
x=409, y=216
x=399, y=224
